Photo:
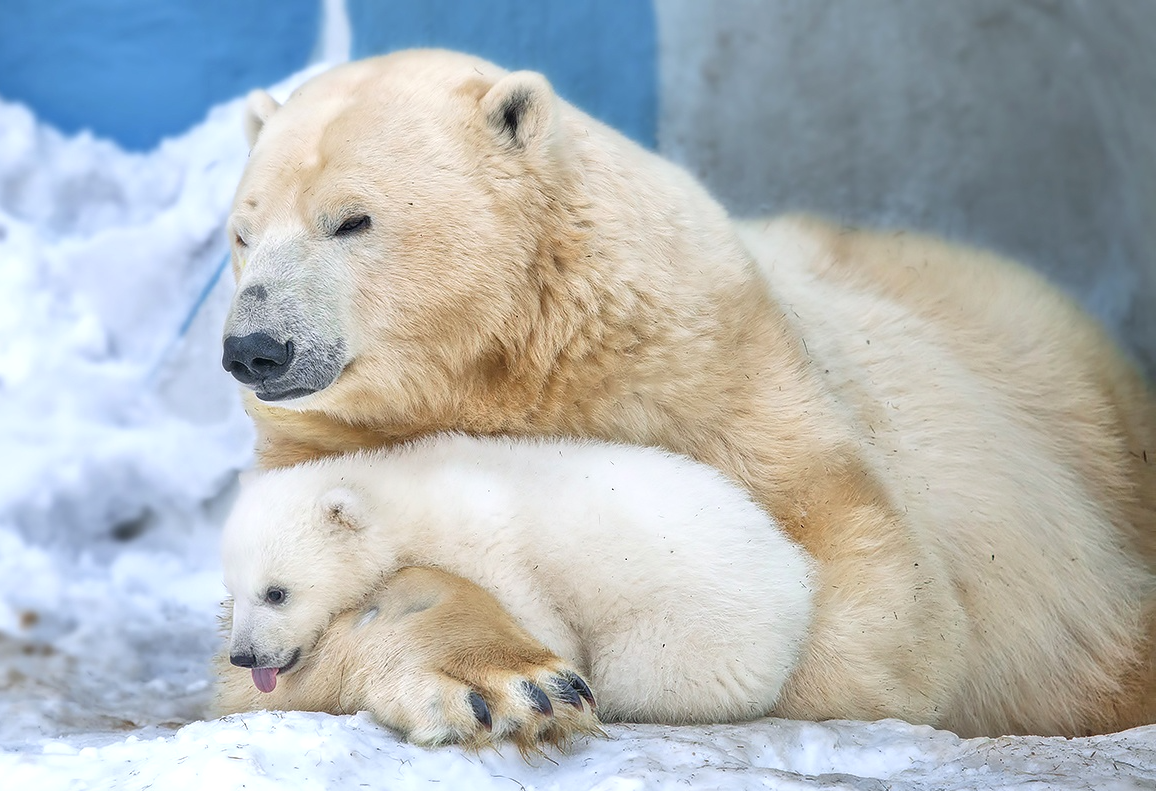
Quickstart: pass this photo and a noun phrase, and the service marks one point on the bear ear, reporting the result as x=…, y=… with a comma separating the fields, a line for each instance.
x=342, y=509
x=520, y=108
x=259, y=106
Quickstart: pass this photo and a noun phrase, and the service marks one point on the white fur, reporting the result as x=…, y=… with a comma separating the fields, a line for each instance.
x=677, y=595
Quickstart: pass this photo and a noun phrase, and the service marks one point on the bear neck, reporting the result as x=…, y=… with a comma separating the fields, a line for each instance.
x=651, y=323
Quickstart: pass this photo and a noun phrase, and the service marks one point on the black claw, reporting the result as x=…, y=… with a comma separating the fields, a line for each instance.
x=538, y=699
x=481, y=710
x=566, y=691
x=581, y=686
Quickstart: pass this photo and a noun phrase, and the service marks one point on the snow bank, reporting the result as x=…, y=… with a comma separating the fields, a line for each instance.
x=275, y=751
x=119, y=445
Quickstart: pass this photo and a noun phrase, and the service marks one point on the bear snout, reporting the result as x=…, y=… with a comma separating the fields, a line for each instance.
x=256, y=358
x=250, y=660
x=243, y=660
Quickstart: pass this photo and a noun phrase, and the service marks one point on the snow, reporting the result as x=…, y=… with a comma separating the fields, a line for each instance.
x=274, y=750
x=120, y=440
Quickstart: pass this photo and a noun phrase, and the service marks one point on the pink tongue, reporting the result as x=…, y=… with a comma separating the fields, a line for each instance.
x=265, y=678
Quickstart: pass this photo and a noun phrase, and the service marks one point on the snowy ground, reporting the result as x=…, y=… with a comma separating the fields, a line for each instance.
x=119, y=442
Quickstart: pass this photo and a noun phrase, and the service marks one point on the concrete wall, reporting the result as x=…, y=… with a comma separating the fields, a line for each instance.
x=1027, y=126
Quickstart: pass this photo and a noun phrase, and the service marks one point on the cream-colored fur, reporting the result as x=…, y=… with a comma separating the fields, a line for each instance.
x=662, y=582
x=964, y=453
x=419, y=653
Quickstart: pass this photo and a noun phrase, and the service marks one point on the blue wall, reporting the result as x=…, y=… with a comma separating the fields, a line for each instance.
x=599, y=54
x=138, y=70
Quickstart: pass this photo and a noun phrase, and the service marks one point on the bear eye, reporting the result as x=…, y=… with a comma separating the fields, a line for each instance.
x=353, y=225
x=240, y=242
x=276, y=595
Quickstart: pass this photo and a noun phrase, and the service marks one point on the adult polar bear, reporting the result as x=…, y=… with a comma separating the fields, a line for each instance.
x=424, y=242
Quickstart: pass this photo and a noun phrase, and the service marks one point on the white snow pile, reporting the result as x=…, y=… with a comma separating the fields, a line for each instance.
x=120, y=439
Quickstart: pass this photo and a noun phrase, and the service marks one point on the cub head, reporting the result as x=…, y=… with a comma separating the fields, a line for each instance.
x=292, y=559
x=389, y=233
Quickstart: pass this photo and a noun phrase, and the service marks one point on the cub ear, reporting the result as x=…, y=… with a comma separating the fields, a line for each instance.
x=259, y=106
x=343, y=509
x=520, y=108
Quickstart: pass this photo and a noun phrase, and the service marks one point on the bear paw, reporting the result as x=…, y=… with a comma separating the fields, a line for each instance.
x=549, y=704
x=438, y=659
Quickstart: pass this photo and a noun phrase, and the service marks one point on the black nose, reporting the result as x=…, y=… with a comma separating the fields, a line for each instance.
x=256, y=357
x=243, y=660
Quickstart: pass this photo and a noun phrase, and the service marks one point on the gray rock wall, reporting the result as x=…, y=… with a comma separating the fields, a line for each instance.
x=1025, y=126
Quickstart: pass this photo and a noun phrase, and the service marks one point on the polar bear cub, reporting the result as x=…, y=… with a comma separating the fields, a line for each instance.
x=657, y=578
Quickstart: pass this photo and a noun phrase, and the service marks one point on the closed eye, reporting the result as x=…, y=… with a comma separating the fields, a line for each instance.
x=353, y=225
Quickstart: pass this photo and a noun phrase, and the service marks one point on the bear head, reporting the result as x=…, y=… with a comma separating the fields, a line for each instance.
x=293, y=558
x=387, y=197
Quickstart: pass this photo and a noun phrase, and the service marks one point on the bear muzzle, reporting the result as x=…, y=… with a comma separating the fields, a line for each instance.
x=264, y=671
x=282, y=370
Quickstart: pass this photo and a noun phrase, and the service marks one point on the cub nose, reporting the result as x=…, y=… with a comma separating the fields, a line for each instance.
x=256, y=357
x=243, y=660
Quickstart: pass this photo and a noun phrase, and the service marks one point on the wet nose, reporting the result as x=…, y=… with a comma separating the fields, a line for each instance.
x=243, y=660
x=256, y=357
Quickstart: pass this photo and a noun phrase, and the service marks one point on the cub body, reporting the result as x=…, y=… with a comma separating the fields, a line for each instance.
x=664, y=583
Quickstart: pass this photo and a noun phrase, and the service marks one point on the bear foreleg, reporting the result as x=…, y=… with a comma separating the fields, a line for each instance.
x=435, y=658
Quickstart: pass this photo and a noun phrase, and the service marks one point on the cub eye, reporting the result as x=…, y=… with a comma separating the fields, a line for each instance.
x=353, y=225
x=239, y=241
x=276, y=596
